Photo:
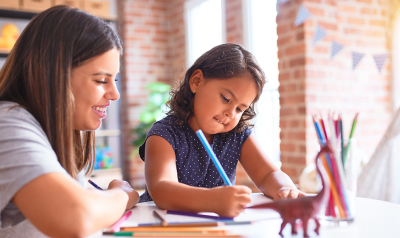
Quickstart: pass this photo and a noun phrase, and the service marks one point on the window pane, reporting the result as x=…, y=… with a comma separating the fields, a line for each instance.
x=204, y=27
x=262, y=42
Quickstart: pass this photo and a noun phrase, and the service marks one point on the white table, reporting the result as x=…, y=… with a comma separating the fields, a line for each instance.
x=373, y=219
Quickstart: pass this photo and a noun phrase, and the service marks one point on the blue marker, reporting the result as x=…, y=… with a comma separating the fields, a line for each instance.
x=214, y=159
x=95, y=185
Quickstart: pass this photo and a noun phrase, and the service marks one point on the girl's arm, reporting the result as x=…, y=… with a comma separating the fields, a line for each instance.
x=167, y=193
x=59, y=207
x=265, y=175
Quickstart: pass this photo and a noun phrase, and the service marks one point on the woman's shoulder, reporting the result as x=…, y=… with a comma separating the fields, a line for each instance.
x=12, y=110
x=16, y=122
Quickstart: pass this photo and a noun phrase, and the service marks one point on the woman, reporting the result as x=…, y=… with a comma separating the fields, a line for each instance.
x=54, y=90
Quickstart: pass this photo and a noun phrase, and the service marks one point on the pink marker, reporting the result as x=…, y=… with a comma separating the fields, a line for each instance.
x=116, y=226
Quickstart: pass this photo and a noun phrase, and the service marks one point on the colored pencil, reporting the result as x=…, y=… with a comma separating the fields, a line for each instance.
x=334, y=191
x=197, y=215
x=323, y=129
x=214, y=158
x=94, y=185
x=346, y=151
x=160, y=216
x=116, y=226
x=197, y=224
x=341, y=137
x=184, y=224
x=170, y=234
x=172, y=229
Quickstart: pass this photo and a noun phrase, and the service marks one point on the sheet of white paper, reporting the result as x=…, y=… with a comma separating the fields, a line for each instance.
x=143, y=213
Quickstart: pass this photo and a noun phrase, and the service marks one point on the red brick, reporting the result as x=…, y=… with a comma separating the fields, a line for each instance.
x=295, y=50
x=345, y=8
x=316, y=11
x=375, y=33
x=369, y=11
x=377, y=23
x=356, y=21
x=365, y=1
x=297, y=62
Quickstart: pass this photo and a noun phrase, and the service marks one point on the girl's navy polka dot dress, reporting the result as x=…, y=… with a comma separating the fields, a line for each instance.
x=193, y=164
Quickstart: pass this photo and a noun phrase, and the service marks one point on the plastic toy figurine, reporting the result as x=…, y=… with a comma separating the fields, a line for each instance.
x=303, y=208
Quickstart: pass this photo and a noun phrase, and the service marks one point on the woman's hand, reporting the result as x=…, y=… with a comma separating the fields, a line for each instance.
x=288, y=192
x=230, y=201
x=126, y=187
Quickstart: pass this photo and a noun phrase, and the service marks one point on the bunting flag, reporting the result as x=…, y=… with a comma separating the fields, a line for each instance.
x=302, y=15
x=336, y=47
x=356, y=58
x=320, y=34
x=380, y=60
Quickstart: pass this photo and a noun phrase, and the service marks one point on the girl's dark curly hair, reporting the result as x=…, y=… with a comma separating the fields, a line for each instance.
x=221, y=62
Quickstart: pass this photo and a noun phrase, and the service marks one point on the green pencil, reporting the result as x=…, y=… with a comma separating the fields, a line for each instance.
x=346, y=151
x=341, y=138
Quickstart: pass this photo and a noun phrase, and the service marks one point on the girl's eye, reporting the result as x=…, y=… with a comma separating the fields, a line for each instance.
x=101, y=82
x=224, y=98
x=239, y=110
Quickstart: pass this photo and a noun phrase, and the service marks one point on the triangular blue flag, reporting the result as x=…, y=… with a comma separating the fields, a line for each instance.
x=336, y=47
x=380, y=60
x=356, y=58
x=302, y=15
x=320, y=34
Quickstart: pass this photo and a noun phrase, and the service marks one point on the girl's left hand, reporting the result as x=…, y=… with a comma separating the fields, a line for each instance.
x=288, y=192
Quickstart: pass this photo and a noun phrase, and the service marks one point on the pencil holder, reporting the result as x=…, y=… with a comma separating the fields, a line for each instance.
x=342, y=170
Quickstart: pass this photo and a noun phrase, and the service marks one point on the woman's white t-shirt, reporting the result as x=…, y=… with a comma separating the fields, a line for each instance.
x=25, y=154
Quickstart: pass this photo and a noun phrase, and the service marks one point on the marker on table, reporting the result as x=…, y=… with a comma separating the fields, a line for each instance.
x=117, y=225
x=214, y=158
x=94, y=185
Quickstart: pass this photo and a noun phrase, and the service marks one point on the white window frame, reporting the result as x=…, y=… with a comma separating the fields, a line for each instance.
x=247, y=42
x=188, y=31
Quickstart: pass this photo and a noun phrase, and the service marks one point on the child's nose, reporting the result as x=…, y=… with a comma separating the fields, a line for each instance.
x=230, y=113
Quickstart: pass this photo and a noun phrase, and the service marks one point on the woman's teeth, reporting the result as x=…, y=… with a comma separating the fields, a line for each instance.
x=100, y=109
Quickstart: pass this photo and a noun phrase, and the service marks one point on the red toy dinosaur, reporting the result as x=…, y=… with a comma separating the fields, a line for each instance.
x=303, y=208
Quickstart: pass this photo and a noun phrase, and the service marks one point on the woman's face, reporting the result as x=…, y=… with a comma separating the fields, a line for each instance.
x=93, y=87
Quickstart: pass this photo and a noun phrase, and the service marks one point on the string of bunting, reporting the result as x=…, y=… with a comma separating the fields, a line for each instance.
x=303, y=14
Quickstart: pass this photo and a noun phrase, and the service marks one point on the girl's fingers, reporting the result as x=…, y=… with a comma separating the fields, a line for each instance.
x=293, y=194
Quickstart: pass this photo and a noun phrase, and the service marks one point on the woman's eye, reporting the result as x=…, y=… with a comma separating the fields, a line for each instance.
x=239, y=110
x=224, y=98
x=101, y=82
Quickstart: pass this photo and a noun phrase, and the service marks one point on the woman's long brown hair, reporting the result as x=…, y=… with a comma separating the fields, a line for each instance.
x=37, y=76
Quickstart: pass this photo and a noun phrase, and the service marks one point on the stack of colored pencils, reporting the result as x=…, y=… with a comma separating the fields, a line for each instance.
x=338, y=205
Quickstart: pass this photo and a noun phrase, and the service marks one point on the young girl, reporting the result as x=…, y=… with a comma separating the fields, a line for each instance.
x=217, y=95
x=55, y=87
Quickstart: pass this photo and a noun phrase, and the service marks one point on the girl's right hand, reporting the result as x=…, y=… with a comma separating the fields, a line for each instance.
x=126, y=187
x=231, y=200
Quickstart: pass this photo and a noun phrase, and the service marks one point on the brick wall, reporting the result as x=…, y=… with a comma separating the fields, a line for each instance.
x=155, y=50
x=312, y=82
x=144, y=28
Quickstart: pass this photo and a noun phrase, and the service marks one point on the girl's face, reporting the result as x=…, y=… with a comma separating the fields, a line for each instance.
x=220, y=103
x=93, y=87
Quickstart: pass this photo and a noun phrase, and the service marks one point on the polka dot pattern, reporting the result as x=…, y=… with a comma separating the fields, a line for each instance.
x=193, y=164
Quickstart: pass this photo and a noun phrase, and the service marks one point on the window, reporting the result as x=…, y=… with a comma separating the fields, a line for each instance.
x=260, y=38
x=205, y=27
